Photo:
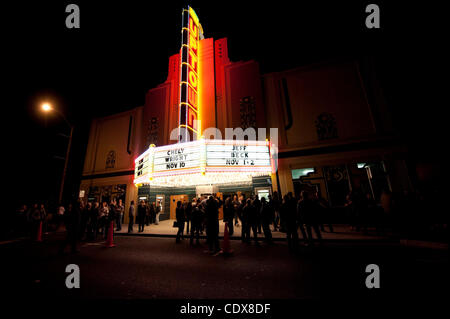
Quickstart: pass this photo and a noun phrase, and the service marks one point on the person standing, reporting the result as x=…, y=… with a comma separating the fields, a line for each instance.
x=323, y=210
x=212, y=224
x=141, y=216
x=228, y=214
x=112, y=216
x=85, y=213
x=119, y=209
x=243, y=216
x=300, y=220
x=158, y=212
x=250, y=221
x=36, y=218
x=276, y=207
x=147, y=213
x=188, y=213
x=308, y=210
x=291, y=224
x=152, y=209
x=60, y=215
x=257, y=205
x=196, y=223
x=93, y=221
x=44, y=218
x=266, y=220
x=236, y=204
x=72, y=222
x=179, y=213
x=131, y=213
x=102, y=218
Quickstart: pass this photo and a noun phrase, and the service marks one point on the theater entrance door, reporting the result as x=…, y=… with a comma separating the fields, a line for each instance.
x=173, y=204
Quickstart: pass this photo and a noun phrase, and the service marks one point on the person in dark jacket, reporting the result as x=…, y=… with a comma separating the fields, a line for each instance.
x=212, y=224
x=196, y=223
x=300, y=217
x=93, y=222
x=308, y=211
x=324, y=209
x=251, y=217
x=147, y=213
x=228, y=214
x=119, y=210
x=275, y=203
x=243, y=216
x=131, y=215
x=179, y=213
x=152, y=212
x=240, y=207
x=85, y=214
x=236, y=204
x=37, y=217
x=141, y=215
x=72, y=218
x=257, y=205
x=266, y=220
x=188, y=214
x=290, y=224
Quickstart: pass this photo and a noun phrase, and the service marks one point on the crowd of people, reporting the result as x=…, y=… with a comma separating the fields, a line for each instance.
x=254, y=216
x=307, y=213
x=147, y=213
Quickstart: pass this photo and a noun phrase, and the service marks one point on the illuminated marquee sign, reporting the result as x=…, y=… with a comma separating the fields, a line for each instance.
x=177, y=158
x=143, y=166
x=189, y=73
x=237, y=155
x=204, y=157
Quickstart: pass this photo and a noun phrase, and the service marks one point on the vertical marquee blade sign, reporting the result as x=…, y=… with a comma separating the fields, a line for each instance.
x=191, y=33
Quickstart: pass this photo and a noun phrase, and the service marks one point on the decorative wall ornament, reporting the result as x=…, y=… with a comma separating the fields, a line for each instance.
x=248, y=112
x=326, y=126
x=152, y=136
x=111, y=159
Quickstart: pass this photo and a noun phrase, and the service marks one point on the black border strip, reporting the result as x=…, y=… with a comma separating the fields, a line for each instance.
x=114, y=174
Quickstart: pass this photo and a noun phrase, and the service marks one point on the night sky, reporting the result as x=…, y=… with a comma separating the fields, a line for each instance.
x=122, y=50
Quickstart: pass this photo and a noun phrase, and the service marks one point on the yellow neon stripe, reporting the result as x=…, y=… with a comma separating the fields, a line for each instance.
x=194, y=15
x=190, y=67
x=188, y=127
x=181, y=82
x=196, y=112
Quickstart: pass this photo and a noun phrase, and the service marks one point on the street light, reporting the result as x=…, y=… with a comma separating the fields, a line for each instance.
x=47, y=107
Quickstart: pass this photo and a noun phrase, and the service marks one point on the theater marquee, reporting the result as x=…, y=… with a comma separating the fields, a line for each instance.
x=199, y=162
x=203, y=162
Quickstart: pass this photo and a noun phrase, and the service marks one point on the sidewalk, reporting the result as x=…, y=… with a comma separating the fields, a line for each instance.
x=340, y=232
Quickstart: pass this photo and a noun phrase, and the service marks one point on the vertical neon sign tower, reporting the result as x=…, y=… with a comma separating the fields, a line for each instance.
x=191, y=34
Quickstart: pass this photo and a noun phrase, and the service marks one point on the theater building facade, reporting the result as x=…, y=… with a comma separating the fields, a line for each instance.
x=331, y=132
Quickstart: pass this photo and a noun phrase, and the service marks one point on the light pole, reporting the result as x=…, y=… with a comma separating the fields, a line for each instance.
x=46, y=107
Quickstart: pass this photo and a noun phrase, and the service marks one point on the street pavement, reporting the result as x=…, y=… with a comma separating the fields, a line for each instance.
x=158, y=268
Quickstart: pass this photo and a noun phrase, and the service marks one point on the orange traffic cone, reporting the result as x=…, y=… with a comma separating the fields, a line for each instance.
x=226, y=250
x=39, y=232
x=109, y=240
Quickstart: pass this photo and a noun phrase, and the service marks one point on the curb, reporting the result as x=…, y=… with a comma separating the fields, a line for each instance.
x=390, y=241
